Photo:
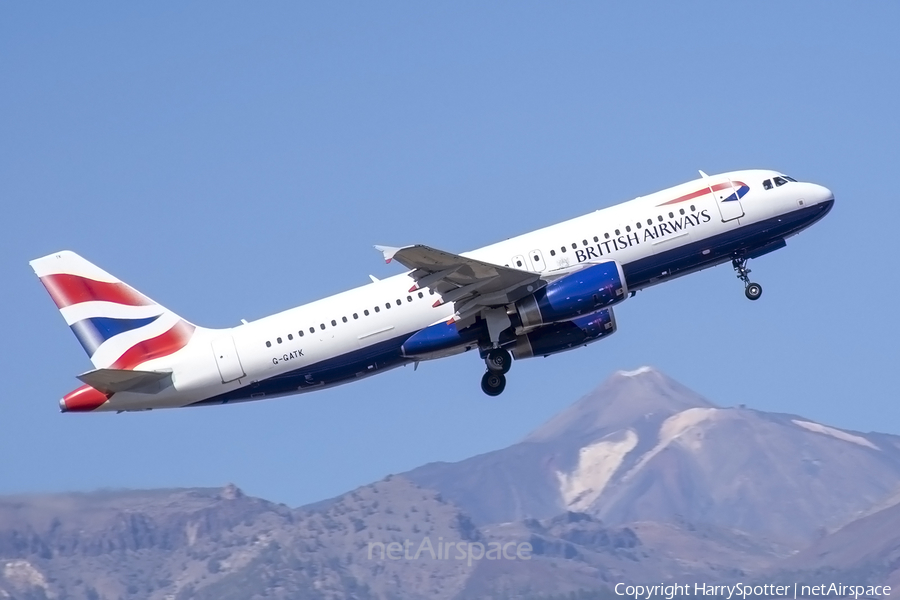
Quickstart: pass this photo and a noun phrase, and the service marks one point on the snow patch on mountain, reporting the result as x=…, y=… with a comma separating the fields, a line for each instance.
x=836, y=433
x=596, y=465
x=677, y=427
x=638, y=371
x=23, y=574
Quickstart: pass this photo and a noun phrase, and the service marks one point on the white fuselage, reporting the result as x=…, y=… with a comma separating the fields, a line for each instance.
x=358, y=332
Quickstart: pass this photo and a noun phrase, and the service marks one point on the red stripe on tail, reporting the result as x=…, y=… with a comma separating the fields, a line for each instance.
x=162, y=345
x=67, y=289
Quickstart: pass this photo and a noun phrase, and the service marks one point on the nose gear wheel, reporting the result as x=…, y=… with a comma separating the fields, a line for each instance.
x=752, y=290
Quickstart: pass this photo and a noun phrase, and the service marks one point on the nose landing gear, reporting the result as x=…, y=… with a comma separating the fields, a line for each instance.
x=752, y=290
x=498, y=363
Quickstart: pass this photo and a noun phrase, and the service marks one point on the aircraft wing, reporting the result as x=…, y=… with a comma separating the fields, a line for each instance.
x=473, y=285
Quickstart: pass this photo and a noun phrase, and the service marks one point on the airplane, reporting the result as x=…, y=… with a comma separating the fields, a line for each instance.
x=537, y=294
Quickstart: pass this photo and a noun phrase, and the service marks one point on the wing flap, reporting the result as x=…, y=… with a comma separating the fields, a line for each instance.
x=445, y=272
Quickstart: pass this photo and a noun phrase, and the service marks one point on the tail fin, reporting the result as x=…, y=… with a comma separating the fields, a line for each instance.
x=118, y=327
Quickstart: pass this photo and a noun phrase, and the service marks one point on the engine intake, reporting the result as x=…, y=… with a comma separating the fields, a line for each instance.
x=581, y=293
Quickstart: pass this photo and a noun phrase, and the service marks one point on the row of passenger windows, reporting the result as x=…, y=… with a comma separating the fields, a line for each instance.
x=334, y=322
x=563, y=249
x=618, y=232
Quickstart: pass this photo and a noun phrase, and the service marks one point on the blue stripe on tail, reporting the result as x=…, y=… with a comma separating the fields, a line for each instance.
x=93, y=332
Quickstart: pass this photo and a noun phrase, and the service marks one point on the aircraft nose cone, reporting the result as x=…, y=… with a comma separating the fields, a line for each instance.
x=62, y=405
x=821, y=195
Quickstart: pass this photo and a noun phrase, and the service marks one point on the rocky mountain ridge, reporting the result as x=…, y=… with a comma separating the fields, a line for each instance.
x=640, y=480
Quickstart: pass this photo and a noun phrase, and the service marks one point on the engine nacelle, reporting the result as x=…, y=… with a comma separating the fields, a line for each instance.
x=581, y=293
x=442, y=339
x=559, y=337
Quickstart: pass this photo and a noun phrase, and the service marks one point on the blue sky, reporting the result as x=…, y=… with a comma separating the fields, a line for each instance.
x=234, y=160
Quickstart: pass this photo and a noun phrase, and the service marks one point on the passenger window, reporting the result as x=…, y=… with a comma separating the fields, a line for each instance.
x=421, y=295
x=681, y=211
x=606, y=236
x=659, y=218
x=574, y=245
x=312, y=329
x=638, y=224
x=399, y=302
x=693, y=208
x=779, y=181
x=366, y=312
x=290, y=336
x=518, y=263
x=430, y=292
x=409, y=298
x=268, y=344
x=355, y=316
x=536, y=258
x=596, y=239
x=618, y=232
x=767, y=184
x=344, y=319
x=333, y=323
x=649, y=221
x=300, y=333
x=584, y=242
x=377, y=309
x=563, y=249
x=671, y=215
x=322, y=326
x=278, y=340
x=553, y=253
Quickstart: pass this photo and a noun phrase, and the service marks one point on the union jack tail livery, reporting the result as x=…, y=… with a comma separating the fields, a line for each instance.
x=118, y=327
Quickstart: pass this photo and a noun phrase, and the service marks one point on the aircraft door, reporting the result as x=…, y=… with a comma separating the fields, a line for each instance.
x=537, y=260
x=729, y=202
x=519, y=262
x=227, y=359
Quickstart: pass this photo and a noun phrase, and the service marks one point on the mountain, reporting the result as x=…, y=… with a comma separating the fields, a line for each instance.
x=866, y=550
x=642, y=447
x=641, y=480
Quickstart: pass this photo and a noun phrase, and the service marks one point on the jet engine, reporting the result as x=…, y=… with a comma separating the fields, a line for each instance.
x=559, y=337
x=581, y=293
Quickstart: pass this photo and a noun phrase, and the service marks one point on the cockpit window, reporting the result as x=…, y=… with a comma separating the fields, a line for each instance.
x=767, y=184
x=790, y=179
x=779, y=181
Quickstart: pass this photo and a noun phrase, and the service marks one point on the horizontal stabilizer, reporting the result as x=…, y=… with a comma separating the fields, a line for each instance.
x=110, y=381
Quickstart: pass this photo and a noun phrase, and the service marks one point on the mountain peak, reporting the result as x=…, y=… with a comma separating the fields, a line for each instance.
x=625, y=399
x=639, y=371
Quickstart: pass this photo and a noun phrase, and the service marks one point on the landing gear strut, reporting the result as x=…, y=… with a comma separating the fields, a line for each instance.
x=498, y=363
x=752, y=290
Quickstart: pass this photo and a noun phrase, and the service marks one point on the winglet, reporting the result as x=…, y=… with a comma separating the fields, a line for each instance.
x=388, y=251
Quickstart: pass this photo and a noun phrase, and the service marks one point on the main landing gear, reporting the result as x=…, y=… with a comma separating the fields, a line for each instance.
x=752, y=290
x=498, y=363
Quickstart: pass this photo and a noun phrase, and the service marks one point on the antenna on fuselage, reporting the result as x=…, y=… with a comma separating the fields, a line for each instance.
x=704, y=175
